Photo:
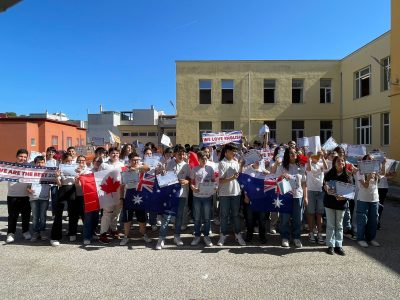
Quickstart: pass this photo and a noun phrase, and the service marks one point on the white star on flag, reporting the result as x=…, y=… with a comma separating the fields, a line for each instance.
x=137, y=200
x=277, y=202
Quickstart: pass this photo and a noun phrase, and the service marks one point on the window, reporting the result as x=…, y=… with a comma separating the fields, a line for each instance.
x=142, y=133
x=134, y=133
x=204, y=127
x=126, y=116
x=205, y=91
x=297, y=130
x=69, y=141
x=54, y=140
x=227, y=91
x=152, y=134
x=362, y=82
x=325, y=91
x=363, y=130
x=125, y=134
x=33, y=142
x=269, y=90
x=385, y=74
x=78, y=142
x=297, y=90
x=325, y=131
x=172, y=133
x=227, y=125
x=385, y=117
x=272, y=129
x=82, y=142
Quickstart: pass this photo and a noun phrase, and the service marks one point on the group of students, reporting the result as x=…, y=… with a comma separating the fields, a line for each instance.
x=225, y=202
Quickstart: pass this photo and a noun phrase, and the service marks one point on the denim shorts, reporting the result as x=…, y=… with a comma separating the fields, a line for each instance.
x=127, y=215
x=315, y=203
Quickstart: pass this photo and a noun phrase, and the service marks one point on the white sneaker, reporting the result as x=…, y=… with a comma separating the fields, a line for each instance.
x=160, y=244
x=177, y=240
x=363, y=244
x=195, y=241
x=124, y=241
x=207, y=241
x=54, y=243
x=285, y=243
x=272, y=231
x=146, y=238
x=222, y=239
x=86, y=242
x=72, y=238
x=240, y=239
x=27, y=235
x=375, y=243
x=154, y=227
x=297, y=243
x=10, y=238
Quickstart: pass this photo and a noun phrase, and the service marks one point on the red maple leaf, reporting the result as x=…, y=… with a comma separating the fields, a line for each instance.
x=110, y=185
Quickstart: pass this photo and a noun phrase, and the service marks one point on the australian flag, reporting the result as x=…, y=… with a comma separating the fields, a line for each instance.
x=148, y=196
x=264, y=194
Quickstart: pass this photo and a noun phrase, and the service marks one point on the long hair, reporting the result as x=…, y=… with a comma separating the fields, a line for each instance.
x=286, y=158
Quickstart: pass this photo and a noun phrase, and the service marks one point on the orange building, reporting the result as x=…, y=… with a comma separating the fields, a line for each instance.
x=36, y=134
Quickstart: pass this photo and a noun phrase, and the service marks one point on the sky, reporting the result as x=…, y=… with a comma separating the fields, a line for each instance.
x=72, y=56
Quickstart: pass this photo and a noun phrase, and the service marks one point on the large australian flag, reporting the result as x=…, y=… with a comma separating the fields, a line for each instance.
x=264, y=194
x=149, y=196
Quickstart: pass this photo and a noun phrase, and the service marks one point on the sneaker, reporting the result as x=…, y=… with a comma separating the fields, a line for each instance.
x=311, y=237
x=321, y=239
x=375, y=243
x=160, y=244
x=330, y=250
x=177, y=240
x=146, y=238
x=350, y=235
x=222, y=239
x=124, y=241
x=72, y=238
x=86, y=242
x=154, y=227
x=297, y=243
x=10, y=238
x=35, y=237
x=43, y=236
x=115, y=234
x=195, y=241
x=285, y=243
x=272, y=231
x=207, y=241
x=104, y=239
x=340, y=251
x=54, y=243
x=27, y=235
x=363, y=244
x=240, y=239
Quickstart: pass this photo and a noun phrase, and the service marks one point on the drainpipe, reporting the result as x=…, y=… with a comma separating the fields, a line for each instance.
x=341, y=107
x=248, y=100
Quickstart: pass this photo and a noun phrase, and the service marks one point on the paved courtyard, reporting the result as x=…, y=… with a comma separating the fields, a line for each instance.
x=136, y=271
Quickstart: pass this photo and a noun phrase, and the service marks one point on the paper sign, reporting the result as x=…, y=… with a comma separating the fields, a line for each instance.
x=165, y=140
x=284, y=186
x=314, y=144
x=251, y=157
x=68, y=170
x=169, y=178
x=207, y=188
x=130, y=178
x=152, y=161
x=356, y=150
x=369, y=166
x=302, y=142
x=345, y=190
x=263, y=130
x=377, y=155
x=330, y=144
x=33, y=155
x=391, y=165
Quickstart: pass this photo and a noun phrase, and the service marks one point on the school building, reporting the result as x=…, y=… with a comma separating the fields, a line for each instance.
x=36, y=134
x=353, y=99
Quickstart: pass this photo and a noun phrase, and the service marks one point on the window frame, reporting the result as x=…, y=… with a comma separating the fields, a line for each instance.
x=204, y=130
x=297, y=132
x=363, y=132
x=201, y=89
x=325, y=133
x=383, y=126
x=225, y=90
x=301, y=88
x=327, y=90
x=269, y=88
x=272, y=129
x=228, y=129
x=385, y=73
x=358, y=82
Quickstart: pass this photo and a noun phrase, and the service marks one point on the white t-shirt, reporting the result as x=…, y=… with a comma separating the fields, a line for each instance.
x=17, y=189
x=40, y=192
x=182, y=170
x=383, y=183
x=297, y=177
x=201, y=175
x=315, y=177
x=369, y=194
x=228, y=168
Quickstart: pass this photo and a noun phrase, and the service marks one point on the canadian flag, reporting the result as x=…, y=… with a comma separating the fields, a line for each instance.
x=101, y=189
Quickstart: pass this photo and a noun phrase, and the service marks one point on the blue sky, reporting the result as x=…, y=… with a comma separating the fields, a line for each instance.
x=72, y=56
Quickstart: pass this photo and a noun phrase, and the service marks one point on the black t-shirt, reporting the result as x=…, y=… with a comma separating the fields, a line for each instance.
x=329, y=200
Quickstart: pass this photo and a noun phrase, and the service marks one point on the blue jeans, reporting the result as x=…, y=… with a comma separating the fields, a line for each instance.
x=178, y=219
x=91, y=221
x=229, y=208
x=39, y=209
x=334, y=227
x=201, y=211
x=367, y=220
x=297, y=217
